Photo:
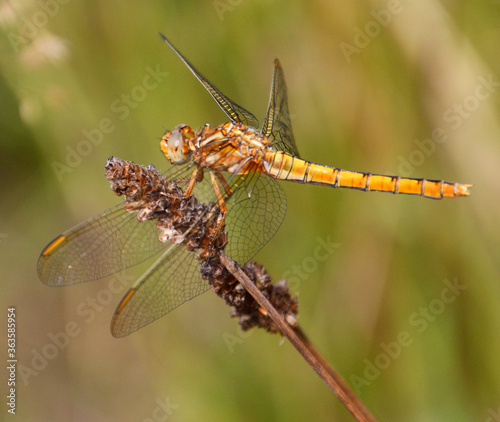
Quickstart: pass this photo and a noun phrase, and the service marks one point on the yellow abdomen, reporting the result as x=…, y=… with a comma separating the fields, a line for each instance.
x=283, y=166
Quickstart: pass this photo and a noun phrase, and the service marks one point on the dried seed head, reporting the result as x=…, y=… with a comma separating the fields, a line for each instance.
x=199, y=227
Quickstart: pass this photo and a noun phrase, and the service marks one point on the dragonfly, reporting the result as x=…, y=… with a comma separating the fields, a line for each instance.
x=234, y=165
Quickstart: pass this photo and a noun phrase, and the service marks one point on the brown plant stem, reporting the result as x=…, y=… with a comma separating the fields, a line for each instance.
x=298, y=339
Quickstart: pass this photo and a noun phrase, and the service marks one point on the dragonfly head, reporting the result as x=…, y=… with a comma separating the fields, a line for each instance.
x=175, y=144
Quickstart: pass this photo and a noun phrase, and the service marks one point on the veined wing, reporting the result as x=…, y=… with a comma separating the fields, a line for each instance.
x=235, y=112
x=255, y=211
x=105, y=244
x=114, y=240
x=172, y=280
x=277, y=125
x=98, y=247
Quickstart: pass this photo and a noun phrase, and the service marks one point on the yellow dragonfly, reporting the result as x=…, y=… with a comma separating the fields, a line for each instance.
x=234, y=165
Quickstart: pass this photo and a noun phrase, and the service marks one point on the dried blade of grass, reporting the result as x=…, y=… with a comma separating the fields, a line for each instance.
x=298, y=339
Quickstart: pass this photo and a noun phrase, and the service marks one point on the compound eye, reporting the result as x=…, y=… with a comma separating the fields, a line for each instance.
x=175, y=146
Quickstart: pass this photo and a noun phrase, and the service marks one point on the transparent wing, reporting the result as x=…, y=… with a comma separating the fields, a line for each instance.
x=277, y=125
x=172, y=280
x=98, y=247
x=255, y=211
x=103, y=245
x=235, y=112
x=114, y=240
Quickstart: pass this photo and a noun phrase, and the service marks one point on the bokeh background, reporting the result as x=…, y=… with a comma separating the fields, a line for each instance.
x=370, y=84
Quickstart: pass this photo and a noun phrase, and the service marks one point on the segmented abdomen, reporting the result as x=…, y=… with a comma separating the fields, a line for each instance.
x=283, y=166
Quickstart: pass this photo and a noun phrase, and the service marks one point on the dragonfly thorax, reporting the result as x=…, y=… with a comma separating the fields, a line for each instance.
x=175, y=144
x=231, y=147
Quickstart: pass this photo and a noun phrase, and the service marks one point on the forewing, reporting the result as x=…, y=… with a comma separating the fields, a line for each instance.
x=255, y=212
x=277, y=125
x=256, y=209
x=235, y=112
x=172, y=280
x=96, y=248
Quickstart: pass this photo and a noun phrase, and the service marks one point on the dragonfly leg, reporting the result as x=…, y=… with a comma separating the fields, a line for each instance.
x=197, y=176
x=204, y=130
x=218, y=193
x=224, y=183
x=216, y=177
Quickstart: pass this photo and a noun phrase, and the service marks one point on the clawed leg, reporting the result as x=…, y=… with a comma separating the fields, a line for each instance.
x=217, y=178
x=197, y=176
x=223, y=182
x=218, y=193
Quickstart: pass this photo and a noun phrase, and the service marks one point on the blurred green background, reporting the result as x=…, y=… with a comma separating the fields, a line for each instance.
x=370, y=84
